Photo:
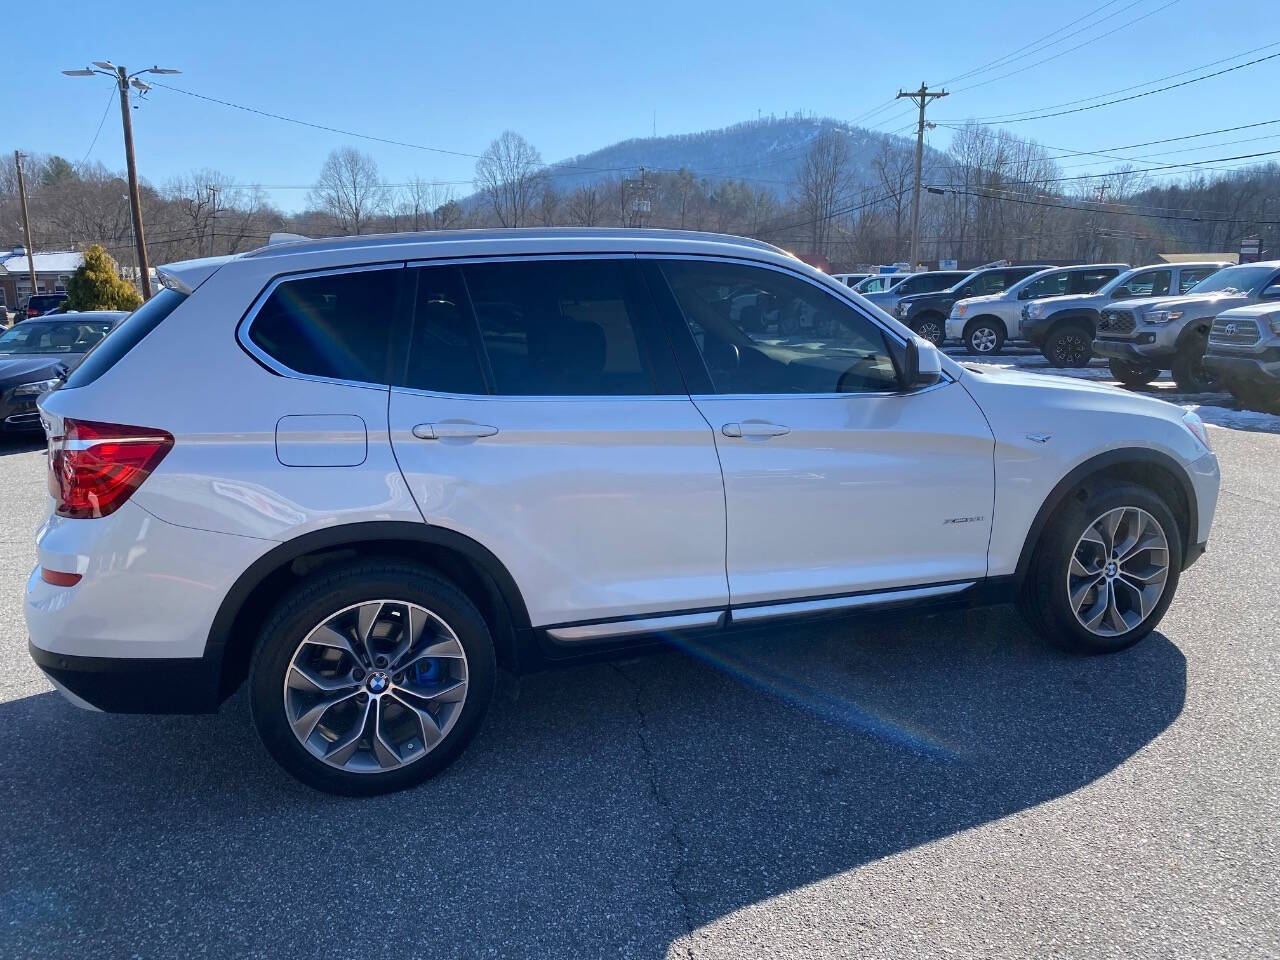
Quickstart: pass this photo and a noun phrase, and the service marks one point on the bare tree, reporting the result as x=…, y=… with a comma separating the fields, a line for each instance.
x=825, y=179
x=586, y=206
x=349, y=189
x=548, y=205
x=509, y=175
x=894, y=166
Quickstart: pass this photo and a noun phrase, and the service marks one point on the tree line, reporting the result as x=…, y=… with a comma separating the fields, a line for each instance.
x=989, y=196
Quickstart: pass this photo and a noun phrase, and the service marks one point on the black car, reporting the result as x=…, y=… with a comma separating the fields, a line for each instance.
x=38, y=304
x=37, y=354
x=926, y=313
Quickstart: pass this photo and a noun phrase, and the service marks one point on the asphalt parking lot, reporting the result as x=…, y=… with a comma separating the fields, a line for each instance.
x=935, y=785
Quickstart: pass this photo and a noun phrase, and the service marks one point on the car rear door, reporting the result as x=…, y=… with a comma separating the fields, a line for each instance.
x=540, y=412
x=836, y=483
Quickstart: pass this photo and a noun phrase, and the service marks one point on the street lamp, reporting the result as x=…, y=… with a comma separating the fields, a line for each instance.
x=124, y=80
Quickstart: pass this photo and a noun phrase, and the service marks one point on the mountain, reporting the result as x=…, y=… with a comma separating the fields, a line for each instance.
x=766, y=152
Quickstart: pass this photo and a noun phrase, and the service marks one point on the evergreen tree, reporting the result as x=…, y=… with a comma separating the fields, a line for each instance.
x=97, y=285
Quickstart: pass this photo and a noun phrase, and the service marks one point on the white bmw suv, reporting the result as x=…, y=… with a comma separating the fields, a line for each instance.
x=362, y=473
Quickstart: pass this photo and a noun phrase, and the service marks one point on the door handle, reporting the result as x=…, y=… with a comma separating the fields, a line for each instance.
x=754, y=428
x=449, y=429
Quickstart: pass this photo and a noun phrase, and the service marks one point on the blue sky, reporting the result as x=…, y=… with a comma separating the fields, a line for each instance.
x=575, y=76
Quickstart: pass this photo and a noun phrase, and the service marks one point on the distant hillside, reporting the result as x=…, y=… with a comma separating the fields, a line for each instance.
x=766, y=152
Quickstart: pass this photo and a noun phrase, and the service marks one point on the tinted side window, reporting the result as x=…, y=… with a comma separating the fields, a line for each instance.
x=337, y=325
x=1050, y=285
x=444, y=353
x=567, y=327
x=932, y=284
x=1088, y=281
x=762, y=331
x=1189, y=278
x=1153, y=283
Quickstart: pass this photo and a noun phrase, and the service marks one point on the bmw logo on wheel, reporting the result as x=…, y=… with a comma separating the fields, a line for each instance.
x=378, y=682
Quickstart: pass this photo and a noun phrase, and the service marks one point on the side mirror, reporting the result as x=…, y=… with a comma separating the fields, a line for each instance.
x=1272, y=292
x=922, y=366
x=1121, y=293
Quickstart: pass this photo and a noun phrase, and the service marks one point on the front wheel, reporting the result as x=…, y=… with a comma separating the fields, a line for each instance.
x=371, y=677
x=1132, y=374
x=1069, y=347
x=1106, y=569
x=932, y=329
x=984, y=337
x=1189, y=371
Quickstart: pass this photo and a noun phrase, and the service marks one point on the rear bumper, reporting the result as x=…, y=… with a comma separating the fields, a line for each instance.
x=133, y=686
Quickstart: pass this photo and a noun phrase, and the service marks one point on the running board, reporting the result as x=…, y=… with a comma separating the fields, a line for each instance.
x=587, y=633
x=796, y=608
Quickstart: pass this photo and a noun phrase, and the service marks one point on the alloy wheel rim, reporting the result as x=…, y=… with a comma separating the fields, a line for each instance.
x=375, y=686
x=1118, y=571
x=1071, y=349
x=930, y=331
x=983, y=340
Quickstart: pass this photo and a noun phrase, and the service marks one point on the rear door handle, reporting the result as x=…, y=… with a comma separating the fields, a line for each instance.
x=449, y=429
x=754, y=428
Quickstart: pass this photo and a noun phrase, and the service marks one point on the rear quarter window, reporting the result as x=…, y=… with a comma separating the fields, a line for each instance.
x=124, y=338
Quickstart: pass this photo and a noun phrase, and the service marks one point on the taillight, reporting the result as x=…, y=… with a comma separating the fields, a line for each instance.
x=95, y=467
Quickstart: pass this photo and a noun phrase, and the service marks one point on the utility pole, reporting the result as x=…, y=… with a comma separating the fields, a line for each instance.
x=124, y=80
x=135, y=202
x=26, y=222
x=921, y=99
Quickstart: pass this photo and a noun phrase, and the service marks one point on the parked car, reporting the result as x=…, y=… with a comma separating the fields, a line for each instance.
x=38, y=304
x=880, y=282
x=984, y=323
x=850, y=279
x=926, y=313
x=1145, y=337
x=1243, y=354
x=446, y=452
x=929, y=281
x=1063, y=328
x=37, y=354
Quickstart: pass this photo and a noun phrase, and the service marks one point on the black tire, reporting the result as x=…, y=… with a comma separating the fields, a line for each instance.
x=932, y=327
x=1045, y=601
x=1189, y=372
x=1068, y=345
x=984, y=337
x=313, y=601
x=1131, y=374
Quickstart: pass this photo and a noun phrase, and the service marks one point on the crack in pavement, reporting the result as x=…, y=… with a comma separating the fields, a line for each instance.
x=661, y=801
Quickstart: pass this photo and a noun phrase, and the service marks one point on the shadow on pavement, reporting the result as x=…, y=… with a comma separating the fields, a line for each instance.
x=605, y=810
x=24, y=442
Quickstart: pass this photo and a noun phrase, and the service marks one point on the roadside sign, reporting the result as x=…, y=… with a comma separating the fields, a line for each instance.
x=1250, y=250
x=947, y=264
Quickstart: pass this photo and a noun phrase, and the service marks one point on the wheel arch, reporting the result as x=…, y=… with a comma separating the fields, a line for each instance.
x=470, y=564
x=1193, y=329
x=993, y=318
x=1075, y=317
x=1150, y=468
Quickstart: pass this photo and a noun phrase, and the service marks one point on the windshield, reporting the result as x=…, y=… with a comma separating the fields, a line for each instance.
x=62, y=336
x=1240, y=279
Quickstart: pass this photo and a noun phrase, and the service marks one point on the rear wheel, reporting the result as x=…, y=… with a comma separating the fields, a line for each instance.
x=1069, y=346
x=932, y=328
x=1189, y=372
x=1106, y=569
x=371, y=677
x=1132, y=374
x=984, y=336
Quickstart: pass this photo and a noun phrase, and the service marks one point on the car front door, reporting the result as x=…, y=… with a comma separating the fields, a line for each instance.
x=836, y=483
x=540, y=412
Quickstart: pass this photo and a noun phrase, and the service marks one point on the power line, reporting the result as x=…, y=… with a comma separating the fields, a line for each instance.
x=1136, y=86
x=991, y=65
x=1136, y=96
x=1033, y=201
x=1063, y=53
x=92, y=143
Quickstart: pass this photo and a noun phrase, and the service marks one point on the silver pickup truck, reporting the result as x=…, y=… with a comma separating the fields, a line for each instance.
x=1063, y=328
x=1171, y=333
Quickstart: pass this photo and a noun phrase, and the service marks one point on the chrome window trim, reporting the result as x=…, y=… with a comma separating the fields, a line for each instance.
x=274, y=365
